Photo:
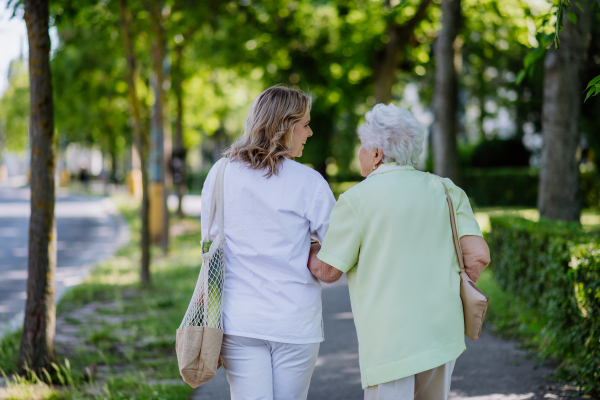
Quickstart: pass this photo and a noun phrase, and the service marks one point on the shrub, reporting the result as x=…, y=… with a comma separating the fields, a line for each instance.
x=501, y=186
x=519, y=187
x=500, y=153
x=195, y=180
x=554, y=269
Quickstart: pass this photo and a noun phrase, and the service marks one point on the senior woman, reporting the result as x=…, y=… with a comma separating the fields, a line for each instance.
x=391, y=234
x=272, y=205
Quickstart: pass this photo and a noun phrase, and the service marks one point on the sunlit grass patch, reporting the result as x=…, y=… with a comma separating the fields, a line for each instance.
x=9, y=352
x=590, y=219
x=26, y=390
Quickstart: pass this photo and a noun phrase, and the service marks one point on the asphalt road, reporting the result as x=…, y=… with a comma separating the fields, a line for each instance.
x=89, y=230
x=490, y=369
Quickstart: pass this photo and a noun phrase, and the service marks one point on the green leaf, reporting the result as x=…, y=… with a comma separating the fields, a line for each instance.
x=589, y=93
x=593, y=82
x=529, y=59
x=557, y=28
x=592, y=92
x=572, y=17
x=403, y=2
x=578, y=4
x=521, y=76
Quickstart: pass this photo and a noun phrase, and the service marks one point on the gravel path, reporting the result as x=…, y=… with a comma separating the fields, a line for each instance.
x=490, y=369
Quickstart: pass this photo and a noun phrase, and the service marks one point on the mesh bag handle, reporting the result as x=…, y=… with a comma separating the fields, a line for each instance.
x=216, y=203
x=205, y=308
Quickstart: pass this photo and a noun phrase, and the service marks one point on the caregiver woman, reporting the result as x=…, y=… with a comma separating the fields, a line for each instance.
x=271, y=302
x=391, y=234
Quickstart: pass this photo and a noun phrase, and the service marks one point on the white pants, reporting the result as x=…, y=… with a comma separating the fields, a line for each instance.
x=428, y=385
x=264, y=370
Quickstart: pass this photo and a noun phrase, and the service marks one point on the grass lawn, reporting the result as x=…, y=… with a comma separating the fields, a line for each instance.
x=114, y=339
x=590, y=219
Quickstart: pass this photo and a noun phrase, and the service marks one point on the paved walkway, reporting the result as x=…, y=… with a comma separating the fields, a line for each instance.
x=89, y=230
x=490, y=369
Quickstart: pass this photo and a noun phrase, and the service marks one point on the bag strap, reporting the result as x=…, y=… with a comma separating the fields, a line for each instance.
x=457, y=248
x=216, y=201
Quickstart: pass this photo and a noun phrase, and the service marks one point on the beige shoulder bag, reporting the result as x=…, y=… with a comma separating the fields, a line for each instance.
x=198, y=340
x=474, y=302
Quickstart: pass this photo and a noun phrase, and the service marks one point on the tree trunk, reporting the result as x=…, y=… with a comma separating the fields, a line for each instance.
x=37, y=342
x=139, y=134
x=159, y=211
x=387, y=60
x=386, y=67
x=445, y=98
x=113, y=165
x=559, y=196
x=179, y=164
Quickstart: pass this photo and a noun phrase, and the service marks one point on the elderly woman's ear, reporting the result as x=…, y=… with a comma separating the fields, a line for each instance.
x=476, y=255
x=369, y=159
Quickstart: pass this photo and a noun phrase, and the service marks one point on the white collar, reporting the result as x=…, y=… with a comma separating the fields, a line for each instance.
x=390, y=167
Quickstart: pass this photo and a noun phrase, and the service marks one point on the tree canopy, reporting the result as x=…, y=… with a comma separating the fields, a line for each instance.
x=221, y=54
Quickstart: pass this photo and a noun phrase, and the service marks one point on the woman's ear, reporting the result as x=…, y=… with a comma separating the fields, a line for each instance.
x=378, y=157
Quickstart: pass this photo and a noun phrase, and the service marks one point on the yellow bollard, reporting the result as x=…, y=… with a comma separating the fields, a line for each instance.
x=155, y=193
x=64, y=178
x=133, y=180
x=3, y=173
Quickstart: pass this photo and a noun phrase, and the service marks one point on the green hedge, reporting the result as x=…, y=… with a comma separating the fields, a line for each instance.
x=195, y=180
x=489, y=187
x=553, y=268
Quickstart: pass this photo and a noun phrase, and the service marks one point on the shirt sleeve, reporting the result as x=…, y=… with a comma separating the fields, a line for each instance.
x=466, y=224
x=341, y=245
x=207, y=190
x=320, y=210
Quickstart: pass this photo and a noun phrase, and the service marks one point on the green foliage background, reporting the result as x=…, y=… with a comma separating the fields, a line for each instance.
x=222, y=54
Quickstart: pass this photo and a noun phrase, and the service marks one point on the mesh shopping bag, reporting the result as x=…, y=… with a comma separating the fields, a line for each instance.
x=199, y=337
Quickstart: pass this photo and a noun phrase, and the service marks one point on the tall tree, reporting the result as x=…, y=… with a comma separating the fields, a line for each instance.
x=159, y=214
x=559, y=195
x=139, y=133
x=179, y=150
x=386, y=60
x=37, y=341
x=446, y=93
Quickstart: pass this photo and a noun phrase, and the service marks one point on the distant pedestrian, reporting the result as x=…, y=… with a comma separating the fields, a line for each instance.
x=84, y=175
x=391, y=234
x=272, y=205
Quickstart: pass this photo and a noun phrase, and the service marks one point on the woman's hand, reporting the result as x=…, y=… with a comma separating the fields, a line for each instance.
x=319, y=269
x=476, y=255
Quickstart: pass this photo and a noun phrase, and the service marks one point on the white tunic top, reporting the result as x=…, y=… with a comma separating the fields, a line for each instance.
x=269, y=292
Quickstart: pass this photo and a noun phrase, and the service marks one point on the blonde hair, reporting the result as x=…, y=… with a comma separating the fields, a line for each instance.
x=268, y=129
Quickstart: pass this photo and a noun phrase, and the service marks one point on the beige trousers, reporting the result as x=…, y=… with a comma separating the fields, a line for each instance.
x=428, y=385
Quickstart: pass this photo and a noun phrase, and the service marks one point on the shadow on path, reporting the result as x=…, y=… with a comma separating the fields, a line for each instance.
x=490, y=369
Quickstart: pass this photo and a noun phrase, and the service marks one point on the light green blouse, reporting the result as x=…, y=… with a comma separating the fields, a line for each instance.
x=391, y=234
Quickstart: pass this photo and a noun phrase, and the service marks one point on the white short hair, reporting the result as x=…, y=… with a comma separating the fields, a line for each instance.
x=395, y=131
